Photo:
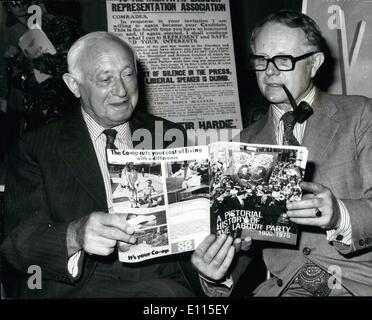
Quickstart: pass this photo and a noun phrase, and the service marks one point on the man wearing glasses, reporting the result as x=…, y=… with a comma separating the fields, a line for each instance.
x=333, y=255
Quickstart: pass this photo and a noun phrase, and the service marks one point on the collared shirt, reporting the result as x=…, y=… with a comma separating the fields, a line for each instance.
x=343, y=233
x=299, y=128
x=123, y=140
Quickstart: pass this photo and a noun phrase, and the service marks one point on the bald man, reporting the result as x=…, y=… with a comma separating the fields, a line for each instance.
x=58, y=200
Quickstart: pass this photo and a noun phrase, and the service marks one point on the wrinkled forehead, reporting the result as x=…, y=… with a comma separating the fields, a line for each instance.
x=100, y=47
x=105, y=51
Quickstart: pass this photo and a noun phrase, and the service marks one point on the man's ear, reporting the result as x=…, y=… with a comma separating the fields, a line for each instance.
x=72, y=84
x=317, y=59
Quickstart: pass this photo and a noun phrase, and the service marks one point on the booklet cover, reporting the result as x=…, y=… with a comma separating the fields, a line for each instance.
x=249, y=187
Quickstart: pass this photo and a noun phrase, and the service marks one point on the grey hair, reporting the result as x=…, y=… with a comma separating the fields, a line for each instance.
x=294, y=19
x=74, y=54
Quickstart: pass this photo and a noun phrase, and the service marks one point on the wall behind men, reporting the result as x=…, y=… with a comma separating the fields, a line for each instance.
x=244, y=15
x=347, y=28
x=90, y=13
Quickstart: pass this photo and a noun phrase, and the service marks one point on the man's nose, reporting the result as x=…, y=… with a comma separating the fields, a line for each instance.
x=272, y=69
x=119, y=89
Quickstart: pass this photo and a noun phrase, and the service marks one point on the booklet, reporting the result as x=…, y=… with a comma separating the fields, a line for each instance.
x=174, y=198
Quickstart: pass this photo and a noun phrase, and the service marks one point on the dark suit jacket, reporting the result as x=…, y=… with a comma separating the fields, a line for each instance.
x=53, y=179
x=339, y=138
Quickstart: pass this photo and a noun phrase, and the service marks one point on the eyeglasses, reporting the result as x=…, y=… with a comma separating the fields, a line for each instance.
x=281, y=62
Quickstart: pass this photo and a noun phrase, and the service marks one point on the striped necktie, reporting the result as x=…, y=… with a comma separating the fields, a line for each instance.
x=110, y=138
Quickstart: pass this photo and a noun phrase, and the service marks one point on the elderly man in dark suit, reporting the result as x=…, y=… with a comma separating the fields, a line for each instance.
x=333, y=256
x=58, y=196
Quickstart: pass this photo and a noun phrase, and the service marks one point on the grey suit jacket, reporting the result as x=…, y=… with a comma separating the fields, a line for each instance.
x=339, y=138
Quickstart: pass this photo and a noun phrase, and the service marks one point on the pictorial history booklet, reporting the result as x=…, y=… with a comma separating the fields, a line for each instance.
x=174, y=198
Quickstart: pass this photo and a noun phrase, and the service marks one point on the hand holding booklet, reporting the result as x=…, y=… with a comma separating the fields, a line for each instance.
x=174, y=198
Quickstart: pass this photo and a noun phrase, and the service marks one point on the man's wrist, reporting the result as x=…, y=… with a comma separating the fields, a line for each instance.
x=337, y=216
x=225, y=281
x=72, y=238
x=338, y=221
x=343, y=231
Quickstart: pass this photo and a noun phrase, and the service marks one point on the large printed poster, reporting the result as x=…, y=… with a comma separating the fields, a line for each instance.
x=186, y=50
x=347, y=27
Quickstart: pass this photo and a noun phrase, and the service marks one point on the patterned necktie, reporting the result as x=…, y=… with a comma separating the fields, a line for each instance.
x=110, y=138
x=289, y=123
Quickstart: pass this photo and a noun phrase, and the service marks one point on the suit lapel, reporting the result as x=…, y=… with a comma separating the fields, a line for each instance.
x=265, y=133
x=77, y=151
x=321, y=127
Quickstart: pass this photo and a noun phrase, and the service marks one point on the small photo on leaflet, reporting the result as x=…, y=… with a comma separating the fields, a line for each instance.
x=187, y=179
x=137, y=185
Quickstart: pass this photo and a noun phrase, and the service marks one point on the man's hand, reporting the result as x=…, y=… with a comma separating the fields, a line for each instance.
x=98, y=233
x=213, y=257
x=242, y=244
x=319, y=198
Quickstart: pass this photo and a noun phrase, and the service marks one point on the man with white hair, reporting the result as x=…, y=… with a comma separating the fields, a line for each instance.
x=58, y=194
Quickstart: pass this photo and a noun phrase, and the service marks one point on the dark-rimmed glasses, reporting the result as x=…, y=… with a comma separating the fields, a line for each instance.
x=281, y=62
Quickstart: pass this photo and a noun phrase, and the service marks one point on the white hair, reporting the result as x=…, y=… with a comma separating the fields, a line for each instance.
x=74, y=55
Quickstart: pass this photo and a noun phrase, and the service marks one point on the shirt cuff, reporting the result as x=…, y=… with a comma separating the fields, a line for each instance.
x=343, y=233
x=73, y=264
x=216, y=289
